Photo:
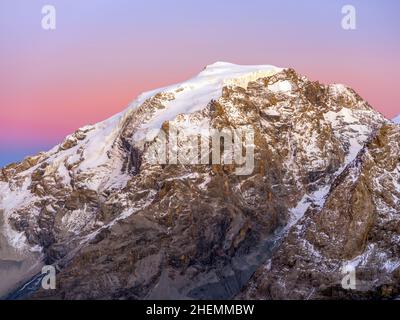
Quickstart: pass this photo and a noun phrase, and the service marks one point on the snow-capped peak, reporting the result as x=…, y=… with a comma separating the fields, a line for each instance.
x=92, y=152
x=194, y=94
x=100, y=181
x=227, y=70
x=397, y=119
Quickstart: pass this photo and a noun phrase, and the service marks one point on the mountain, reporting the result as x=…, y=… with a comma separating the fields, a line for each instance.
x=122, y=216
x=397, y=119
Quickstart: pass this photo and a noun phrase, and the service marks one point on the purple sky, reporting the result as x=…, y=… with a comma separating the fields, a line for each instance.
x=104, y=53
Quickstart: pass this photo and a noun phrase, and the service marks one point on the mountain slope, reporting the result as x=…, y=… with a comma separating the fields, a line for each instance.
x=118, y=225
x=358, y=226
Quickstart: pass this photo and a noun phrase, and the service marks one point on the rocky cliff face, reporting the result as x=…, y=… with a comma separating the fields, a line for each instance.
x=323, y=192
x=358, y=226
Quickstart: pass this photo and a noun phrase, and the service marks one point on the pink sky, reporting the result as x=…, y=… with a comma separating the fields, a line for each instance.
x=104, y=53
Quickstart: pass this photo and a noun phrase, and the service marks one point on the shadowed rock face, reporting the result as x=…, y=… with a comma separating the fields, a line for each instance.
x=14, y=265
x=118, y=226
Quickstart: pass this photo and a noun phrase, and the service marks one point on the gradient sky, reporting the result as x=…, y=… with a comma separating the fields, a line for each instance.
x=105, y=52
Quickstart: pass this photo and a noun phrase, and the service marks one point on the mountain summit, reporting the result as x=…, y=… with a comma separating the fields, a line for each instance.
x=123, y=212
